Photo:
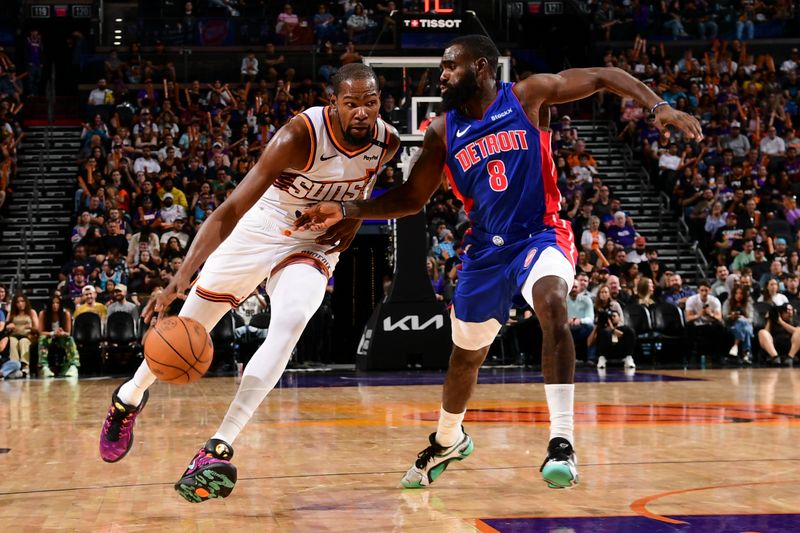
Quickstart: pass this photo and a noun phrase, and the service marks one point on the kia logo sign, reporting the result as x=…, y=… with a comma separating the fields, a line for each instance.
x=412, y=323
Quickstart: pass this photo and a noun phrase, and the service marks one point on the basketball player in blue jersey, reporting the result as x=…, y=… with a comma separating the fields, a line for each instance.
x=498, y=161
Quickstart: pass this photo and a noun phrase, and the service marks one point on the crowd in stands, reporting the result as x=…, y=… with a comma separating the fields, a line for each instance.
x=691, y=19
x=736, y=188
x=250, y=23
x=157, y=160
x=11, y=104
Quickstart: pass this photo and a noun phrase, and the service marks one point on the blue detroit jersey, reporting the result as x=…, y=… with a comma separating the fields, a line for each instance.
x=502, y=169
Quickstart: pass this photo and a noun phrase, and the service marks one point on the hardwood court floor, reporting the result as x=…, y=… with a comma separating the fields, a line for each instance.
x=717, y=449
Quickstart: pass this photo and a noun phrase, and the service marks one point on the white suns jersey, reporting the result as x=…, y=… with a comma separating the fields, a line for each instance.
x=332, y=173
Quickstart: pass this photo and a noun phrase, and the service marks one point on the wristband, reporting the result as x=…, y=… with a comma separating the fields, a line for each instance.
x=659, y=104
x=344, y=210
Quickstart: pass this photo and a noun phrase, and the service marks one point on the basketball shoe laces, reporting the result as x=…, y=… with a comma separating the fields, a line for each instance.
x=558, y=454
x=425, y=456
x=115, y=421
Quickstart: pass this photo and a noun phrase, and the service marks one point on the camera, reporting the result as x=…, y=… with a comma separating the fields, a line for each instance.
x=602, y=317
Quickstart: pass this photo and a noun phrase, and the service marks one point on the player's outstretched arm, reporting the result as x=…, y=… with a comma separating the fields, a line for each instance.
x=407, y=199
x=575, y=84
x=288, y=149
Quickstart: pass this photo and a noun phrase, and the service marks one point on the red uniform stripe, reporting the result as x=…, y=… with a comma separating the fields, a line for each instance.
x=466, y=201
x=552, y=199
x=218, y=297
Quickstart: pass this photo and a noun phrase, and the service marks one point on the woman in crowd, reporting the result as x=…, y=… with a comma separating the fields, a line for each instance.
x=437, y=281
x=5, y=304
x=645, y=292
x=22, y=325
x=583, y=263
x=172, y=249
x=738, y=313
x=107, y=295
x=611, y=336
x=593, y=239
x=772, y=294
x=108, y=275
x=780, y=335
x=56, y=323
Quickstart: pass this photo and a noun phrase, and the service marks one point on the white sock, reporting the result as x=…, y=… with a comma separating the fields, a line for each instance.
x=251, y=393
x=296, y=293
x=132, y=391
x=560, y=401
x=449, y=431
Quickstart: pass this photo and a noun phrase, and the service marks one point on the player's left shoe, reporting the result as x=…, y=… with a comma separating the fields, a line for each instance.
x=433, y=460
x=210, y=474
x=560, y=468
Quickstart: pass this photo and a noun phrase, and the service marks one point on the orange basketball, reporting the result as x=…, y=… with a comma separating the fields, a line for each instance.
x=178, y=350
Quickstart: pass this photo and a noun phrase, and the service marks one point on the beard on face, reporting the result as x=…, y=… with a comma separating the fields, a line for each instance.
x=357, y=141
x=459, y=94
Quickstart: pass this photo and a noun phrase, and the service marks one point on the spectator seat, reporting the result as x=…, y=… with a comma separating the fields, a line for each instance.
x=87, y=330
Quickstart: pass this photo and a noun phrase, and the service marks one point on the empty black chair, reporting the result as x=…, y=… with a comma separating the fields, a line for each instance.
x=637, y=317
x=668, y=320
x=669, y=329
x=120, y=328
x=223, y=337
x=121, y=349
x=87, y=330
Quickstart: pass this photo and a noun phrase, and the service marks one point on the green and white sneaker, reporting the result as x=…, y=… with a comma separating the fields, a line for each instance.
x=560, y=468
x=433, y=460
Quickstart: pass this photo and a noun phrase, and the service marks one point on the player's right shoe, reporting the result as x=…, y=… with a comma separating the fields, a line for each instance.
x=210, y=474
x=116, y=437
x=433, y=460
x=560, y=468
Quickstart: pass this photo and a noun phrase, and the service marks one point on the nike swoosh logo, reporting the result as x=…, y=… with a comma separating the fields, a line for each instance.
x=460, y=133
x=323, y=158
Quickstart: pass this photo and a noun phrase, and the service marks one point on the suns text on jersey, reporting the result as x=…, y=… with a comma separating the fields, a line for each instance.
x=494, y=143
x=306, y=189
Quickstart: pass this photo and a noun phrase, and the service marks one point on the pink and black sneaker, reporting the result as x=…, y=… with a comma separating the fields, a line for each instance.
x=210, y=474
x=116, y=438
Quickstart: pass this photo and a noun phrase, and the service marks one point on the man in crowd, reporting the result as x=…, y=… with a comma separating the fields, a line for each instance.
x=89, y=303
x=580, y=312
x=704, y=319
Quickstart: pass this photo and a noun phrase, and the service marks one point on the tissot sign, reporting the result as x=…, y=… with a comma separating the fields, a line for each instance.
x=432, y=23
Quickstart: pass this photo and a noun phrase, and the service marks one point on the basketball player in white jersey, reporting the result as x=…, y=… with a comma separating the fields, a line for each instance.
x=325, y=153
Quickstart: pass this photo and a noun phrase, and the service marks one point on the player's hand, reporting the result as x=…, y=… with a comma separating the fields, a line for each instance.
x=319, y=217
x=178, y=285
x=340, y=234
x=690, y=126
